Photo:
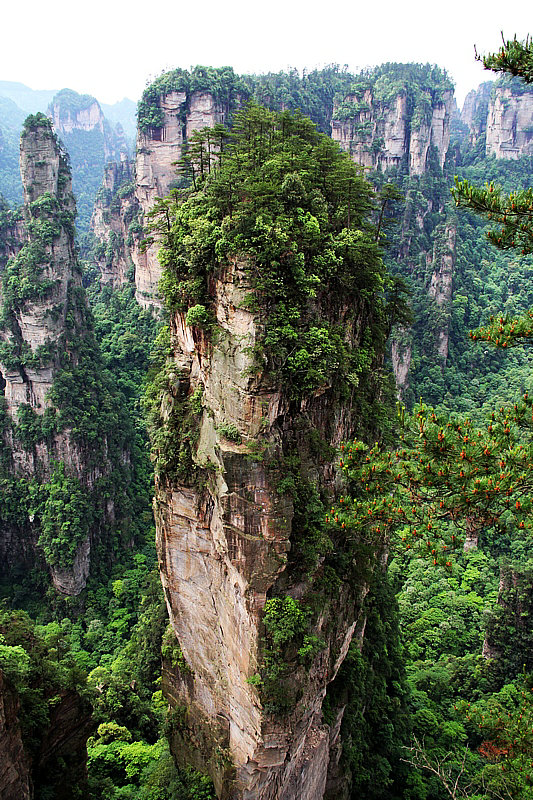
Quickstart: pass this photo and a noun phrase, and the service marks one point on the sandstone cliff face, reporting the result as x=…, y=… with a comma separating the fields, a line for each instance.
x=440, y=288
x=431, y=132
x=42, y=299
x=505, y=114
x=475, y=110
x=90, y=141
x=158, y=150
x=401, y=354
x=440, y=263
x=115, y=225
x=510, y=124
x=400, y=119
x=382, y=135
x=224, y=545
x=15, y=781
x=88, y=117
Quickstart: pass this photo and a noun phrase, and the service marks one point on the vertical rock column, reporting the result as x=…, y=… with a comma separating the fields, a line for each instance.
x=510, y=124
x=223, y=539
x=37, y=312
x=441, y=281
x=41, y=286
x=115, y=224
x=158, y=151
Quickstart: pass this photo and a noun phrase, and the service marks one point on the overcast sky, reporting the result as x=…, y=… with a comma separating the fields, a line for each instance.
x=111, y=48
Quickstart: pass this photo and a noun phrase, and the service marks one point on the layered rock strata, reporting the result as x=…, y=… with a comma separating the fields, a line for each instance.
x=503, y=111
x=440, y=288
x=159, y=149
x=475, y=110
x=381, y=135
x=510, y=123
x=224, y=545
x=129, y=191
x=115, y=224
x=44, y=318
x=71, y=112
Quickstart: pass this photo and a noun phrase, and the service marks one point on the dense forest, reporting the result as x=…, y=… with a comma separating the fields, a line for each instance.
x=435, y=489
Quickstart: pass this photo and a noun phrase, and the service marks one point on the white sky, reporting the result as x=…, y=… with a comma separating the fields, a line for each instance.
x=110, y=48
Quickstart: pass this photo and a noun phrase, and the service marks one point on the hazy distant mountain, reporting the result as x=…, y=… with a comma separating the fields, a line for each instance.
x=29, y=100
x=124, y=112
x=11, y=115
x=18, y=100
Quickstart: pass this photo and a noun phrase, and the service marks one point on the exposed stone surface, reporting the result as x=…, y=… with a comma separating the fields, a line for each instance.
x=15, y=781
x=441, y=280
x=434, y=133
x=401, y=361
x=158, y=150
x=510, y=124
x=35, y=327
x=71, y=581
x=115, y=209
x=475, y=110
x=337, y=786
x=222, y=548
x=203, y=112
x=382, y=135
x=405, y=132
x=505, y=114
x=89, y=118
x=38, y=322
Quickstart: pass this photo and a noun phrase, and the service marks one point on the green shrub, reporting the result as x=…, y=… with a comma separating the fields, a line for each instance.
x=198, y=316
x=284, y=620
x=230, y=431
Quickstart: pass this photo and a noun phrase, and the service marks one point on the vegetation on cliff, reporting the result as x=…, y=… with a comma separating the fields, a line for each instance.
x=449, y=483
x=281, y=196
x=227, y=88
x=423, y=85
x=460, y=478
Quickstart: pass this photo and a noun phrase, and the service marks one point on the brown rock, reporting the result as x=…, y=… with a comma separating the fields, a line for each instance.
x=15, y=781
x=223, y=544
